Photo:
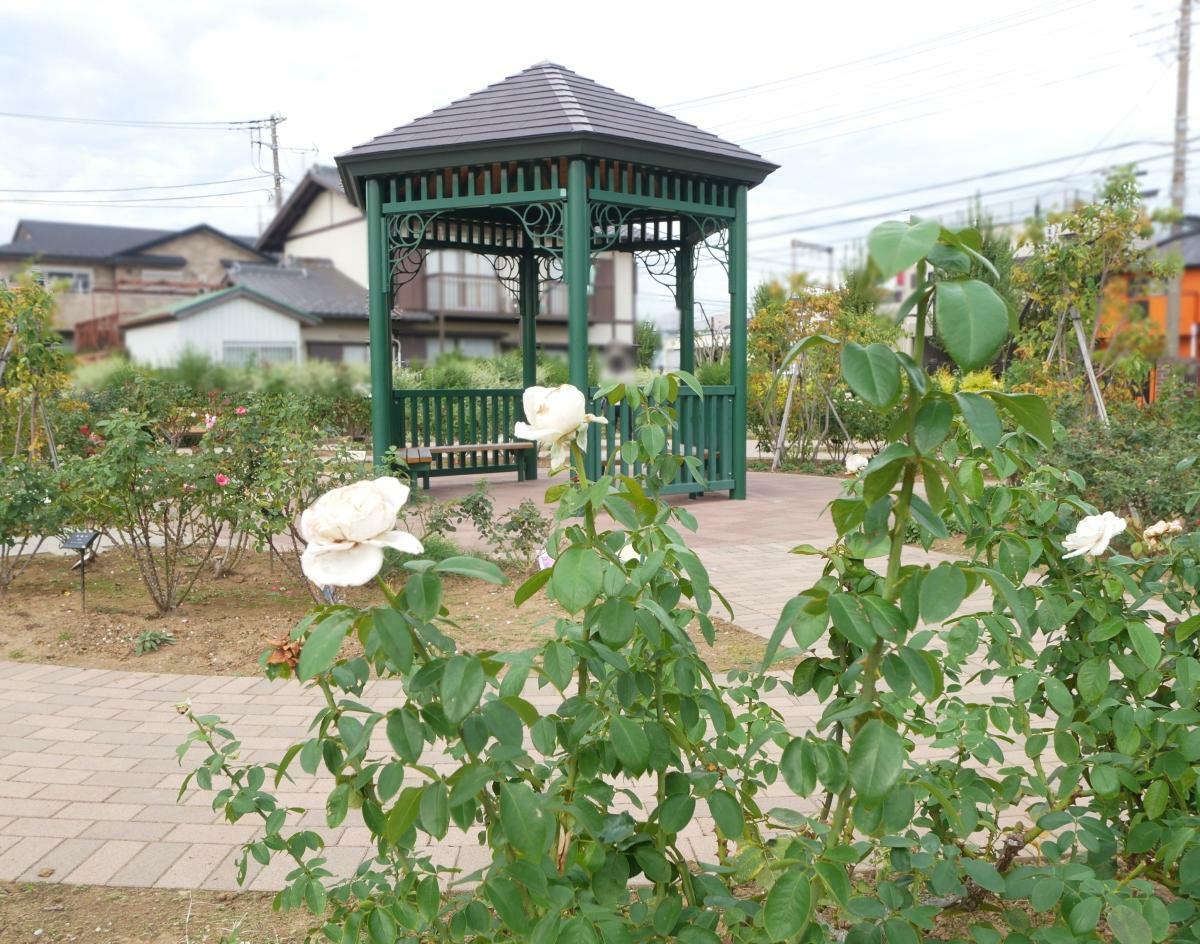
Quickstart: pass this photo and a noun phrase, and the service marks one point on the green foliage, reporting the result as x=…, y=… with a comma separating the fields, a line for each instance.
x=1131, y=466
x=452, y=370
x=151, y=640
x=904, y=803
x=31, y=510
x=648, y=341
x=33, y=365
x=1090, y=258
x=166, y=508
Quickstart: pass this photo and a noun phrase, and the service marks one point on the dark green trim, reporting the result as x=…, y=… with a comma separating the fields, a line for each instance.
x=577, y=261
x=379, y=307
x=479, y=200
x=738, y=303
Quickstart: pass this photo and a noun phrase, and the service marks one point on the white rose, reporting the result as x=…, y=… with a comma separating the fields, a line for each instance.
x=556, y=416
x=1092, y=535
x=855, y=463
x=348, y=528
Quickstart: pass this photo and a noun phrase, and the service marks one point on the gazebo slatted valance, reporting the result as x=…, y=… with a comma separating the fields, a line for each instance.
x=539, y=173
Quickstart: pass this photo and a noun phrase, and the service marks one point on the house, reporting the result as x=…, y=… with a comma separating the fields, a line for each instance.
x=110, y=274
x=1187, y=247
x=456, y=301
x=335, y=304
x=236, y=325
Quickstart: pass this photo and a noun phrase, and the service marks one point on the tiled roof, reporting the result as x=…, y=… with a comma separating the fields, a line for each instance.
x=198, y=303
x=320, y=177
x=309, y=285
x=548, y=101
x=96, y=242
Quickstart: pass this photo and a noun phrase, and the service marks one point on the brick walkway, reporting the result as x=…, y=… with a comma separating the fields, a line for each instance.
x=88, y=775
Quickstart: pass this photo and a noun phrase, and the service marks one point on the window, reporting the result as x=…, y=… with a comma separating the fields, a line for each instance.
x=241, y=353
x=477, y=347
x=78, y=281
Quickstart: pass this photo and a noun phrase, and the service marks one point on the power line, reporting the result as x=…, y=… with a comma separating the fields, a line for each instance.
x=201, y=183
x=1001, y=172
x=129, y=201
x=234, y=125
x=936, y=203
x=902, y=52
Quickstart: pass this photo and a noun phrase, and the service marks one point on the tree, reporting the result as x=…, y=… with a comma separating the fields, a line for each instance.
x=1090, y=259
x=33, y=365
x=648, y=341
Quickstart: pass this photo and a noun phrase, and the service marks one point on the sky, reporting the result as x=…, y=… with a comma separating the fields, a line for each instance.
x=872, y=109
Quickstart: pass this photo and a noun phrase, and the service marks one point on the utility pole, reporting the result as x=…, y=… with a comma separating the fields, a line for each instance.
x=1179, y=172
x=276, y=120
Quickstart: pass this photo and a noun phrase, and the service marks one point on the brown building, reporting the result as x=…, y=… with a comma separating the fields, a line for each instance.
x=112, y=274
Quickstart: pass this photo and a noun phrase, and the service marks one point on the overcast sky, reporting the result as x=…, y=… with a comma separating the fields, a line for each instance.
x=854, y=100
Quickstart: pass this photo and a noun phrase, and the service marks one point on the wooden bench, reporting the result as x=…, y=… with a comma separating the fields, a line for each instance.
x=420, y=459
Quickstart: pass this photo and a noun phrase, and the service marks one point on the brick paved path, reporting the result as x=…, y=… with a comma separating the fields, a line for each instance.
x=88, y=774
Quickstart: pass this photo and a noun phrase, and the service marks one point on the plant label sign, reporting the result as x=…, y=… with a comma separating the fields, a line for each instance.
x=79, y=540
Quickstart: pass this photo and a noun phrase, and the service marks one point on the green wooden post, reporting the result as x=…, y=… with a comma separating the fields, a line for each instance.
x=738, y=302
x=577, y=259
x=685, y=291
x=379, y=304
x=529, y=288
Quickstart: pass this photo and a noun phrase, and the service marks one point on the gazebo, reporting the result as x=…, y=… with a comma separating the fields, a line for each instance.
x=539, y=173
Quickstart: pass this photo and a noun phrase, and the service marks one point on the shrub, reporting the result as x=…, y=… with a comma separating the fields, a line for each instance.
x=31, y=510
x=167, y=510
x=1092, y=664
x=151, y=640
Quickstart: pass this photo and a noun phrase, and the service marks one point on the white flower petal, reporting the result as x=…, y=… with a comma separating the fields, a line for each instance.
x=393, y=490
x=398, y=541
x=349, y=567
x=525, y=431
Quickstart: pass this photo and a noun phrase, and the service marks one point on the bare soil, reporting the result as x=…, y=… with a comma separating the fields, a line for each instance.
x=81, y=914
x=224, y=625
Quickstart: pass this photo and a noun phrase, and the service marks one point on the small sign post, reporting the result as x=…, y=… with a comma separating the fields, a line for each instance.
x=82, y=542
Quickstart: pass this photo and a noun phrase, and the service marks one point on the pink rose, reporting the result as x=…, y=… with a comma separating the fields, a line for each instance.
x=241, y=411
x=210, y=420
x=222, y=479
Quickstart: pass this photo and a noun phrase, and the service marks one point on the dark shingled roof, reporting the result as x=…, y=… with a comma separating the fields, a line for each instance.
x=94, y=242
x=313, y=286
x=548, y=102
x=320, y=178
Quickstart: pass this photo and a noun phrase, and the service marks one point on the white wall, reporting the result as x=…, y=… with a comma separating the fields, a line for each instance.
x=156, y=344
x=332, y=229
x=235, y=320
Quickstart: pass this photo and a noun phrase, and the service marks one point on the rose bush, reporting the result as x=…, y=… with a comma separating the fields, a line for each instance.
x=1019, y=765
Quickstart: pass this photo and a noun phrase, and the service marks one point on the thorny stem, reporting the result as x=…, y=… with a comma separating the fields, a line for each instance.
x=841, y=826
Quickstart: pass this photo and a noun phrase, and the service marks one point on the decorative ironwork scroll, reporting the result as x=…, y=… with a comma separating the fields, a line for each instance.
x=544, y=224
x=660, y=266
x=508, y=271
x=406, y=233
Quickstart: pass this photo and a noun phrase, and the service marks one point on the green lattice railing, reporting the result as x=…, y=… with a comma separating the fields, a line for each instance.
x=705, y=430
x=486, y=417
x=462, y=417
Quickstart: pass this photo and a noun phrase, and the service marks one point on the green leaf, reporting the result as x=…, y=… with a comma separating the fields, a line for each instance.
x=850, y=619
x=895, y=246
x=1144, y=643
x=1155, y=801
x=873, y=372
x=434, y=809
x=932, y=424
x=462, y=685
x=395, y=639
x=942, y=593
x=1028, y=411
x=522, y=820
x=876, y=759
x=1058, y=696
x=984, y=875
x=1092, y=678
x=322, y=645
x=471, y=567
x=926, y=517
x=532, y=586
x=981, y=417
x=577, y=578
x=630, y=744
x=727, y=813
x=1085, y=916
x=1128, y=926
x=799, y=772
x=788, y=906
x=972, y=322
